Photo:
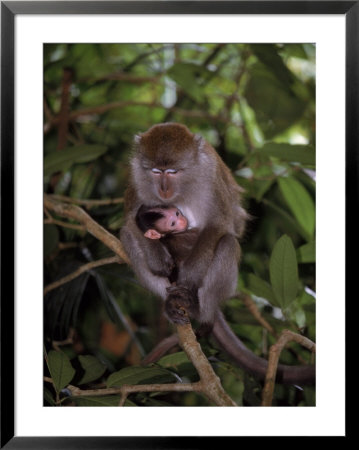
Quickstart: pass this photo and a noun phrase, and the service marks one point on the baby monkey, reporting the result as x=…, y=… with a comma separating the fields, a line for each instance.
x=167, y=223
x=157, y=222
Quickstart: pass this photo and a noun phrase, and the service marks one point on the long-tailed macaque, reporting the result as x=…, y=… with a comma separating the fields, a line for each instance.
x=172, y=166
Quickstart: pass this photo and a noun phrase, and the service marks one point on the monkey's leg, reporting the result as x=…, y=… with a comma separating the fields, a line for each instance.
x=220, y=281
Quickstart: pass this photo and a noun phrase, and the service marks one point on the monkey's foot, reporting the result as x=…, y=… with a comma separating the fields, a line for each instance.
x=181, y=304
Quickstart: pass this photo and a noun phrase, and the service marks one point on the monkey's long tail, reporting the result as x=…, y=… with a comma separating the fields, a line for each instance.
x=254, y=364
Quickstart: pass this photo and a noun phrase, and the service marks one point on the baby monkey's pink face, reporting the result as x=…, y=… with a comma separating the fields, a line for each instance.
x=172, y=222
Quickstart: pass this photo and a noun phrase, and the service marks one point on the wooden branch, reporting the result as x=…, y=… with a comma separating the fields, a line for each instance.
x=81, y=270
x=60, y=223
x=126, y=389
x=209, y=381
x=88, y=203
x=100, y=109
x=252, y=307
x=75, y=212
x=64, y=114
x=122, y=76
x=274, y=354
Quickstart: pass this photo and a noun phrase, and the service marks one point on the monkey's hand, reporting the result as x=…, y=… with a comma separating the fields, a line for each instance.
x=180, y=304
x=159, y=260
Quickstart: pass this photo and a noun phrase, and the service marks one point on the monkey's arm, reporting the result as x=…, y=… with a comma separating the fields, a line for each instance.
x=152, y=265
x=193, y=270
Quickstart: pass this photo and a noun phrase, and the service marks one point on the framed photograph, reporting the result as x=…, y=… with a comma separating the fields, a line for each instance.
x=93, y=95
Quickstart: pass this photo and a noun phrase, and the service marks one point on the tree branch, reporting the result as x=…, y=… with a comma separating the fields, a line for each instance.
x=252, y=307
x=100, y=109
x=80, y=270
x=88, y=203
x=64, y=114
x=274, y=354
x=75, y=212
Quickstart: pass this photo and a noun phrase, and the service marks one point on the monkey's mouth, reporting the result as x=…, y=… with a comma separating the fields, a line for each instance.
x=165, y=195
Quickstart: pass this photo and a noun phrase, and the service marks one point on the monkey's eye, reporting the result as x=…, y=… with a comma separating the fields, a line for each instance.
x=171, y=171
x=157, y=171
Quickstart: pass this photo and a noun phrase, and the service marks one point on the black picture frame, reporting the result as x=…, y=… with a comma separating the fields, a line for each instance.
x=9, y=9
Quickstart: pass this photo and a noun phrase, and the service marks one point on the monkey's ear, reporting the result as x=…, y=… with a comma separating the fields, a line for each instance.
x=137, y=138
x=152, y=234
x=199, y=140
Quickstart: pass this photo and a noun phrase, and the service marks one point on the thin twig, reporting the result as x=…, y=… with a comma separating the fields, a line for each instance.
x=64, y=114
x=274, y=354
x=127, y=389
x=69, y=340
x=88, y=203
x=100, y=109
x=81, y=270
x=60, y=223
x=252, y=307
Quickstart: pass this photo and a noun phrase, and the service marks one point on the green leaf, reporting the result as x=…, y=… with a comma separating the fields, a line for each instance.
x=300, y=203
x=283, y=271
x=51, y=239
x=60, y=369
x=188, y=76
x=303, y=154
x=289, y=219
x=140, y=375
x=93, y=368
x=275, y=104
x=174, y=360
x=306, y=253
x=84, y=178
x=62, y=160
x=261, y=288
x=49, y=397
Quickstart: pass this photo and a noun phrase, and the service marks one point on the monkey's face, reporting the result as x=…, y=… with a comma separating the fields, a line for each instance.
x=165, y=164
x=173, y=221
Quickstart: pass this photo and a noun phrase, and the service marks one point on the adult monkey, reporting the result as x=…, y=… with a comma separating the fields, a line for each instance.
x=170, y=165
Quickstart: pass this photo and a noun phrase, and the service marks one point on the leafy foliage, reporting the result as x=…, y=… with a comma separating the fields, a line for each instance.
x=255, y=103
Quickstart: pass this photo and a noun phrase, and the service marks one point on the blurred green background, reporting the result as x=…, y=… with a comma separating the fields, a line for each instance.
x=255, y=103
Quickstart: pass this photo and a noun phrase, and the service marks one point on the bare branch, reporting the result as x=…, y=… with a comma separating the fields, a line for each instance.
x=252, y=307
x=60, y=223
x=88, y=203
x=81, y=270
x=101, y=109
x=64, y=114
x=75, y=212
x=274, y=354
x=211, y=385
